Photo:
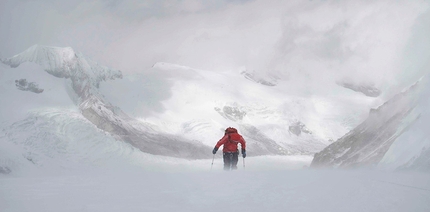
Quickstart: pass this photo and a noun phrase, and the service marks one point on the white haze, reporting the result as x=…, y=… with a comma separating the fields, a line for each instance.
x=363, y=41
x=310, y=44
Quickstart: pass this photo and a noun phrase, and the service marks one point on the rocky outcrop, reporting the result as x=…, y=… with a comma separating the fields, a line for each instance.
x=298, y=128
x=5, y=170
x=233, y=113
x=368, y=90
x=23, y=85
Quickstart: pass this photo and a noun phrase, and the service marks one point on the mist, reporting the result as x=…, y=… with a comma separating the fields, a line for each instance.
x=190, y=68
x=382, y=43
x=309, y=45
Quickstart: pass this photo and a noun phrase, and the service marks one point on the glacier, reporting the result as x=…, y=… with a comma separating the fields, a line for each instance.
x=104, y=141
x=178, y=111
x=84, y=77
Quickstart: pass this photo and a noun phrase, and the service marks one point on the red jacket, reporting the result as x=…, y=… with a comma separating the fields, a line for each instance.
x=230, y=142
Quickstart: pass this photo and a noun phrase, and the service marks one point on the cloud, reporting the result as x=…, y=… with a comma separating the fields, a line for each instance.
x=360, y=40
x=315, y=40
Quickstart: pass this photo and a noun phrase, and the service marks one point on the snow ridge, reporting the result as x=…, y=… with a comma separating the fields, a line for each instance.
x=367, y=144
x=64, y=63
x=86, y=76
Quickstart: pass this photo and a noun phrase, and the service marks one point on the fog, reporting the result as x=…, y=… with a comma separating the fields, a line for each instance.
x=307, y=44
x=383, y=43
x=53, y=158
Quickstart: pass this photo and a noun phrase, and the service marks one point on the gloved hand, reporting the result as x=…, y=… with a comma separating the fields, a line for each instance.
x=243, y=153
x=214, y=150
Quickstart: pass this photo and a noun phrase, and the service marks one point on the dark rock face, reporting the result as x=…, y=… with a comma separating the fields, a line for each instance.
x=5, y=170
x=367, y=144
x=231, y=112
x=23, y=85
x=298, y=127
x=368, y=90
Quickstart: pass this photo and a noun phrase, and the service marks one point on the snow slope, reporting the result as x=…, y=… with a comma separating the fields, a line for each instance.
x=199, y=104
x=84, y=77
x=87, y=144
x=411, y=150
x=393, y=136
x=16, y=103
x=273, y=190
x=179, y=111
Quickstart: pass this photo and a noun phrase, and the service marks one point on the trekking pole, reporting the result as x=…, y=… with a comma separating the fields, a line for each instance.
x=243, y=163
x=213, y=161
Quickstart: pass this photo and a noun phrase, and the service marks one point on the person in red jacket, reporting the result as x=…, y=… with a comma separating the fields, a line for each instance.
x=230, y=140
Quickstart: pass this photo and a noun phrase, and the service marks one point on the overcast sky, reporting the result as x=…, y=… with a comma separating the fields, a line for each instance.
x=380, y=42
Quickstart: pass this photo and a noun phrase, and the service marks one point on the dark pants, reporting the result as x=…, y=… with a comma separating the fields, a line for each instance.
x=230, y=160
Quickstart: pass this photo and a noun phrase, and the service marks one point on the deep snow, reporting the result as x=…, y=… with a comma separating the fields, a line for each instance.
x=125, y=189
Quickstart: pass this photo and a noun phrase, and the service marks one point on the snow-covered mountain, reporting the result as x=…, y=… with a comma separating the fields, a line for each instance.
x=199, y=104
x=393, y=136
x=169, y=109
x=66, y=136
x=84, y=77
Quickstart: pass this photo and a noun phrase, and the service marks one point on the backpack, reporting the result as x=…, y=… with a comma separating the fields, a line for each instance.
x=233, y=136
x=230, y=130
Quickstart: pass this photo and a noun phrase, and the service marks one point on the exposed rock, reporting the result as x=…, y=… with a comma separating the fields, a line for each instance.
x=5, y=170
x=233, y=113
x=298, y=127
x=23, y=85
x=368, y=90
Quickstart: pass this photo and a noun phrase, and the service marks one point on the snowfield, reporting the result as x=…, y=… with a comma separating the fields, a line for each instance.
x=131, y=189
